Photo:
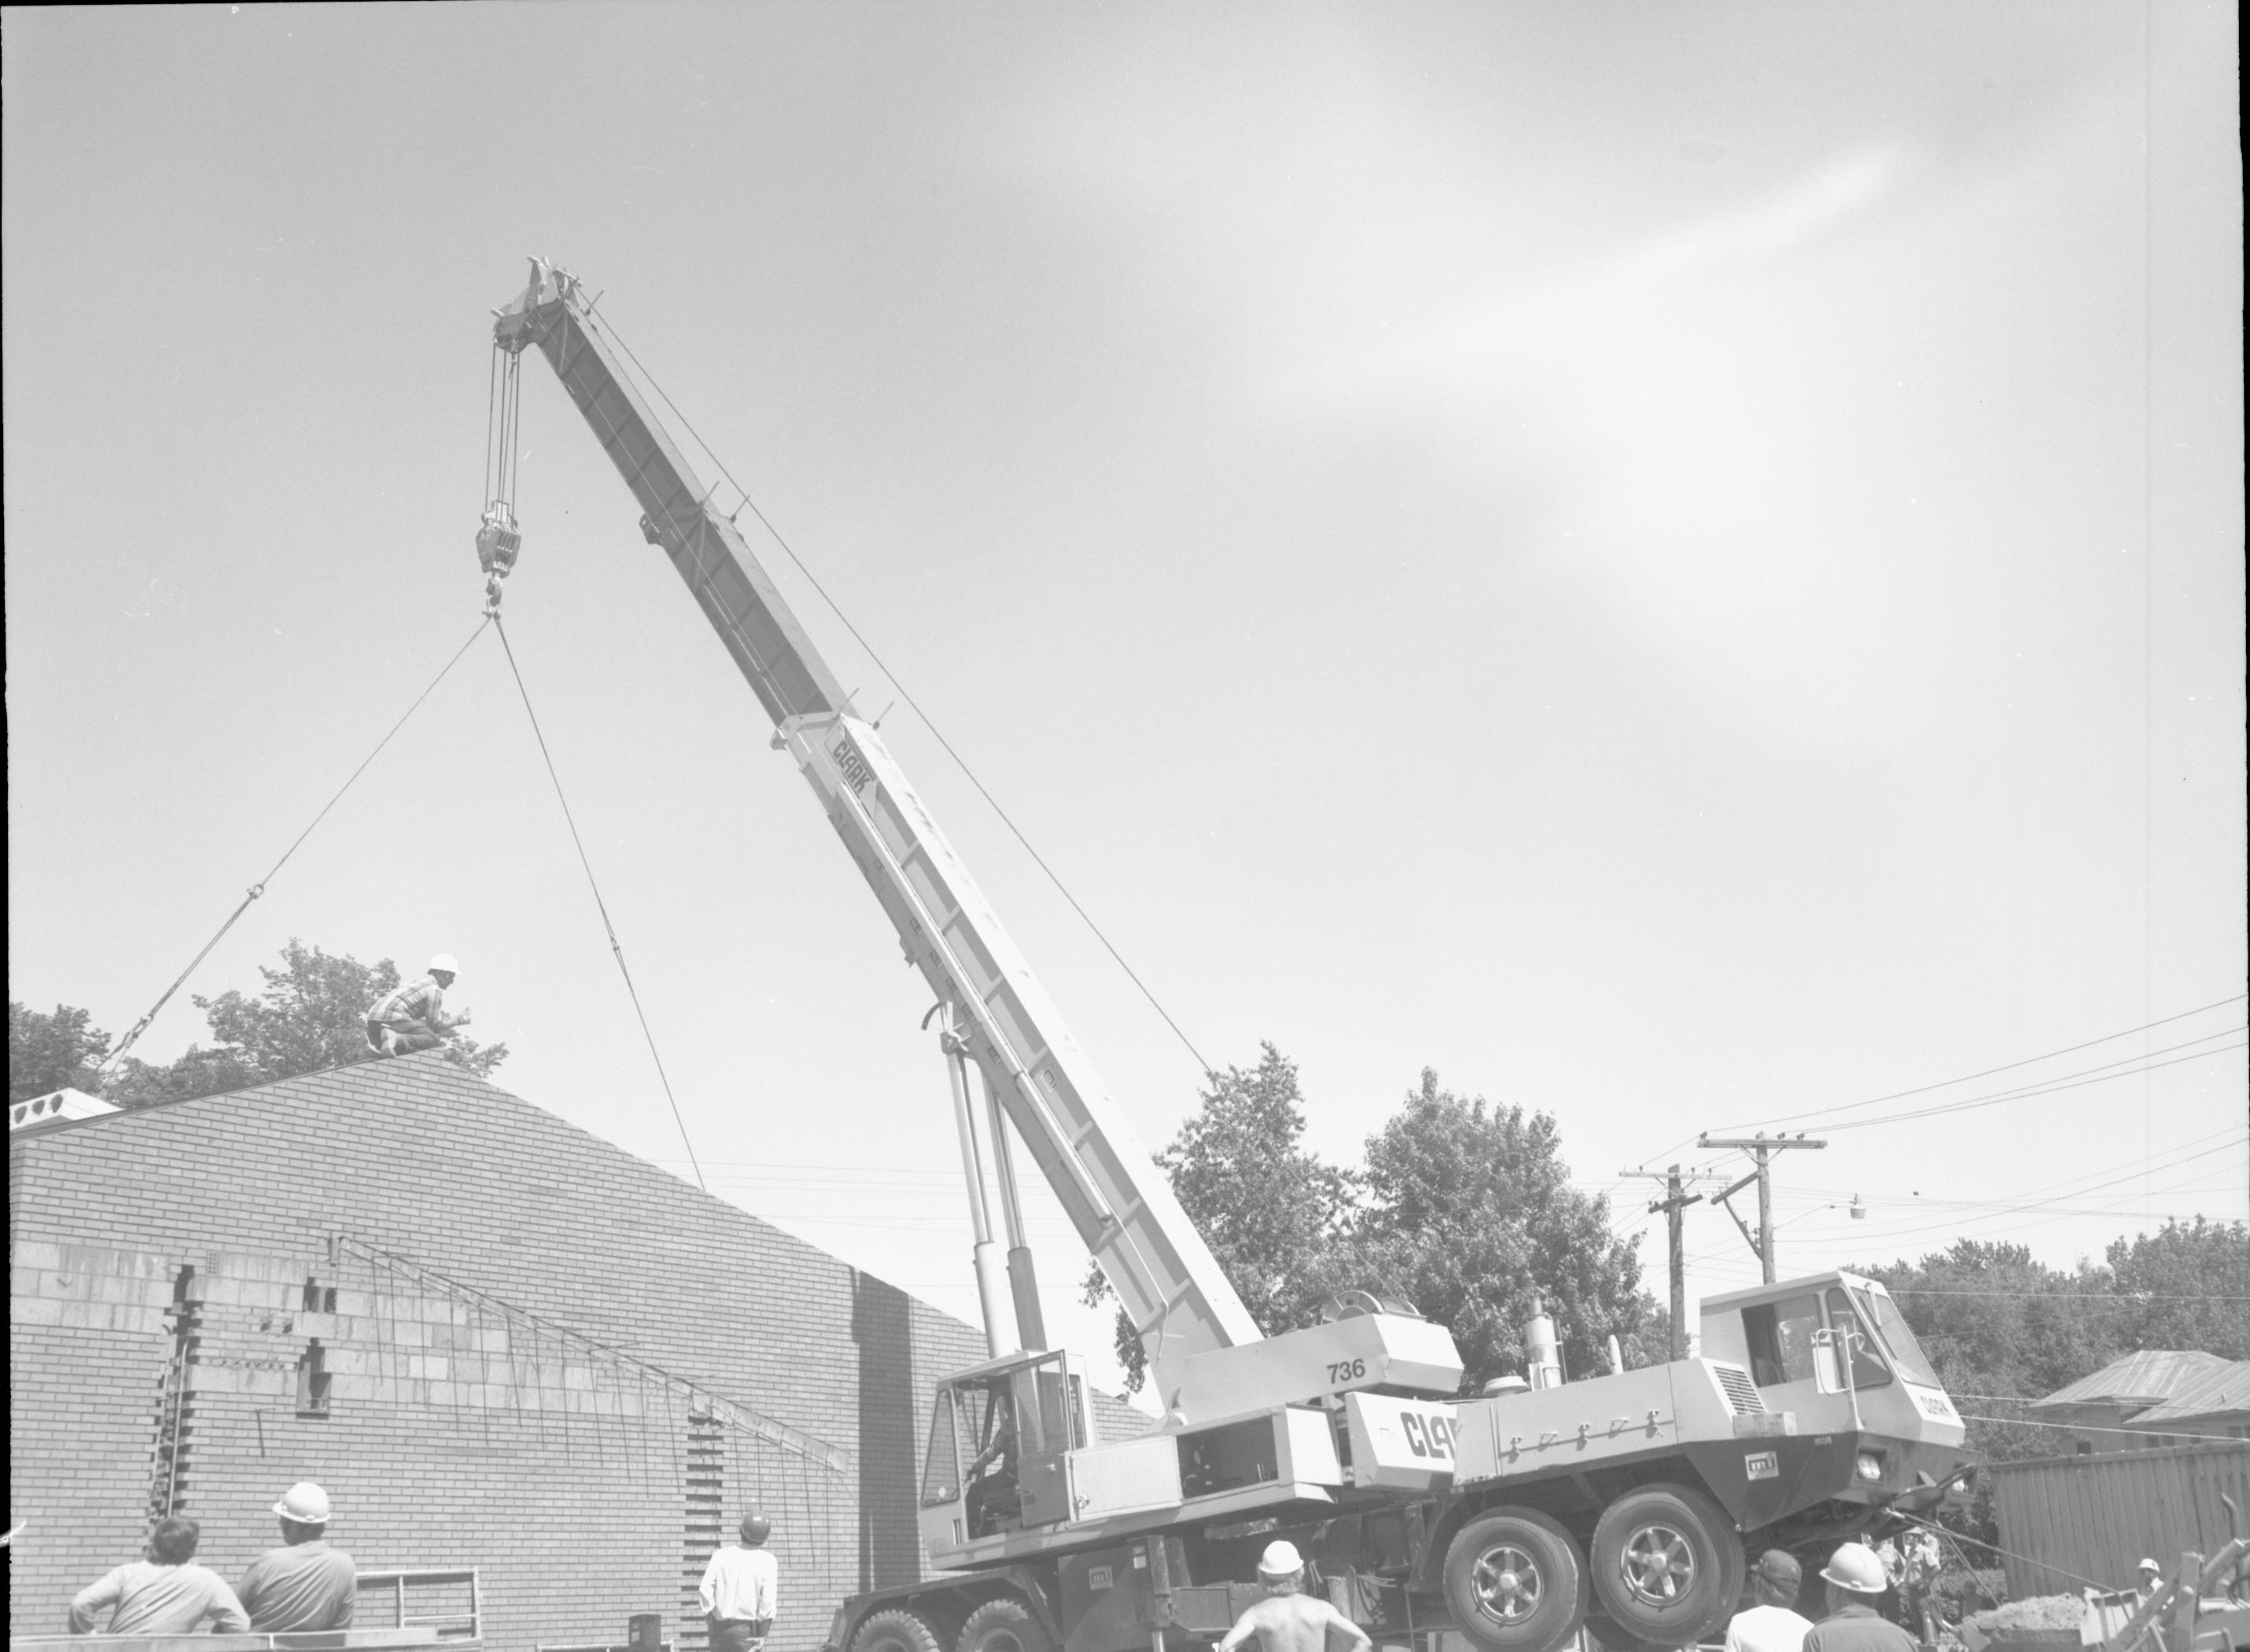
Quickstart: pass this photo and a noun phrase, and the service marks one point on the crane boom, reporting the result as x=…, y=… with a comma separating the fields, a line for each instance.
x=1124, y=1211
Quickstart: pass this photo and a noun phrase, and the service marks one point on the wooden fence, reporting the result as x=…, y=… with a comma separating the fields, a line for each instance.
x=2094, y=1518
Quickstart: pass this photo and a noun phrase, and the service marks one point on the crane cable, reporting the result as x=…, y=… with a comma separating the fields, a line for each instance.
x=259, y=888
x=937, y=733
x=617, y=950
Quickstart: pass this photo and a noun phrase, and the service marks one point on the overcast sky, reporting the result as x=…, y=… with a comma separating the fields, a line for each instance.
x=1679, y=565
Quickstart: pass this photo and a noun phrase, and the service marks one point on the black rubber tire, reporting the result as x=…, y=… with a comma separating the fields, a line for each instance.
x=895, y=1632
x=1666, y=1565
x=1004, y=1625
x=1515, y=1581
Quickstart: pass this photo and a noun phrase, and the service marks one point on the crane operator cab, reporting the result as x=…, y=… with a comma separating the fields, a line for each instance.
x=999, y=1438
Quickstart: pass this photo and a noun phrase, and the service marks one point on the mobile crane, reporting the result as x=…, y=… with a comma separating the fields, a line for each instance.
x=1418, y=1510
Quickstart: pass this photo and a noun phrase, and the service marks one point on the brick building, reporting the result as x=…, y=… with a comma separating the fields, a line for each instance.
x=497, y=1340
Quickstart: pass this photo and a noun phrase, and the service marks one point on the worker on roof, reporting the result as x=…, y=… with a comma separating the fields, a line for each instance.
x=413, y=1016
x=304, y=1584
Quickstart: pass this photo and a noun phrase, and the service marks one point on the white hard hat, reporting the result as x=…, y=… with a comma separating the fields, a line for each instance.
x=304, y=1503
x=443, y=961
x=2150, y=1565
x=1853, y=1566
x=1279, y=1559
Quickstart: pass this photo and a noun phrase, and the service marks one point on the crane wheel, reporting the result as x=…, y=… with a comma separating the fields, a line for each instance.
x=895, y=1632
x=1667, y=1565
x=1004, y=1625
x=1515, y=1581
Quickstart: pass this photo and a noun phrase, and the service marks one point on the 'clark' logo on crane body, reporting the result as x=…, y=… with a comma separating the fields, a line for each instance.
x=851, y=765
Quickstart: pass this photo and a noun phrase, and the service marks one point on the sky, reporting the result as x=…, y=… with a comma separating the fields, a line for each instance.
x=1680, y=566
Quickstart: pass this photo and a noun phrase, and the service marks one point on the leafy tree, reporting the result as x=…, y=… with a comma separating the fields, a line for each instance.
x=1272, y=1212
x=1470, y=1211
x=310, y=1017
x=2187, y=1285
x=51, y=1052
x=1467, y=1211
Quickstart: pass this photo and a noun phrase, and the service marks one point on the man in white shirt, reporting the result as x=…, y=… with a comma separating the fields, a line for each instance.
x=1771, y=1626
x=738, y=1594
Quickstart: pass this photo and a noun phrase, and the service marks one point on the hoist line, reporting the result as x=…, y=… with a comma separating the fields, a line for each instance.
x=617, y=950
x=959, y=762
x=259, y=888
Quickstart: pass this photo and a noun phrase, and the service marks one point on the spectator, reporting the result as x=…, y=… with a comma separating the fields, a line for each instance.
x=738, y=1590
x=304, y=1584
x=1856, y=1581
x=1288, y=1620
x=166, y=1594
x=1772, y=1625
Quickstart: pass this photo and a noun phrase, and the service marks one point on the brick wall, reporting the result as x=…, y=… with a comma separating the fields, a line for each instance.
x=516, y=1321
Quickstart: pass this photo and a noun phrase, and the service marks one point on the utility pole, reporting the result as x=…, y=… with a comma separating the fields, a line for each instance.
x=1676, y=1199
x=1760, y=1147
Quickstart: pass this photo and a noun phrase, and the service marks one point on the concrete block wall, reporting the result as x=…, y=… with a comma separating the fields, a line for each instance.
x=562, y=1478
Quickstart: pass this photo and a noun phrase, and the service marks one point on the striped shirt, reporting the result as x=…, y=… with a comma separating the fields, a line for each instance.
x=420, y=1000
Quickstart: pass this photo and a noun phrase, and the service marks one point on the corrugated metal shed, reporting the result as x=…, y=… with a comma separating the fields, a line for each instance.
x=2151, y=1376
x=2095, y=1517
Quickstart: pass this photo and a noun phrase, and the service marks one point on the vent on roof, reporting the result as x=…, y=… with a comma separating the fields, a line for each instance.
x=1742, y=1393
x=56, y=1107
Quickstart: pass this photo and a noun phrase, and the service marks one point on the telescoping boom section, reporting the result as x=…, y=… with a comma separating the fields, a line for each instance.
x=1178, y=1299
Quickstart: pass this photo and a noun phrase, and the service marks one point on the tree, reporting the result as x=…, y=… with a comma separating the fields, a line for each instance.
x=51, y=1052
x=2187, y=1283
x=1470, y=1211
x=310, y=1017
x=1272, y=1212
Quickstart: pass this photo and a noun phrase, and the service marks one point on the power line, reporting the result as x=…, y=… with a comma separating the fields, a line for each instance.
x=1946, y=1083
x=2093, y=1075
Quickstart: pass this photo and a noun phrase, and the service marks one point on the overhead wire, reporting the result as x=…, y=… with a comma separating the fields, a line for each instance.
x=616, y=949
x=961, y=763
x=2091, y=1075
x=1723, y=1255
x=257, y=889
x=1946, y=1083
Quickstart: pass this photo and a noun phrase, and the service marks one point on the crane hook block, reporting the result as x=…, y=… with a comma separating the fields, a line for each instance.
x=498, y=542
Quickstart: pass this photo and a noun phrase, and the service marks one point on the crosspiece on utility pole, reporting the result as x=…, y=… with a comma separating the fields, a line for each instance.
x=1676, y=1199
x=1760, y=1147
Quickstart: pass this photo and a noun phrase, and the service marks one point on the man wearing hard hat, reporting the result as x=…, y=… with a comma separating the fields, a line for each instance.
x=304, y=1584
x=1856, y=1581
x=413, y=1016
x=1288, y=1620
x=738, y=1588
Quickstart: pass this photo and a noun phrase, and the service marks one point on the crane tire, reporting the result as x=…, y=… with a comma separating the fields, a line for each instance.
x=1003, y=1625
x=1667, y=1565
x=895, y=1631
x=1515, y=1581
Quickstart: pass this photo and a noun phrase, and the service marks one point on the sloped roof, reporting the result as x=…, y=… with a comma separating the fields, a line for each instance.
x=2154, y=1376
x=2218, y=1393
